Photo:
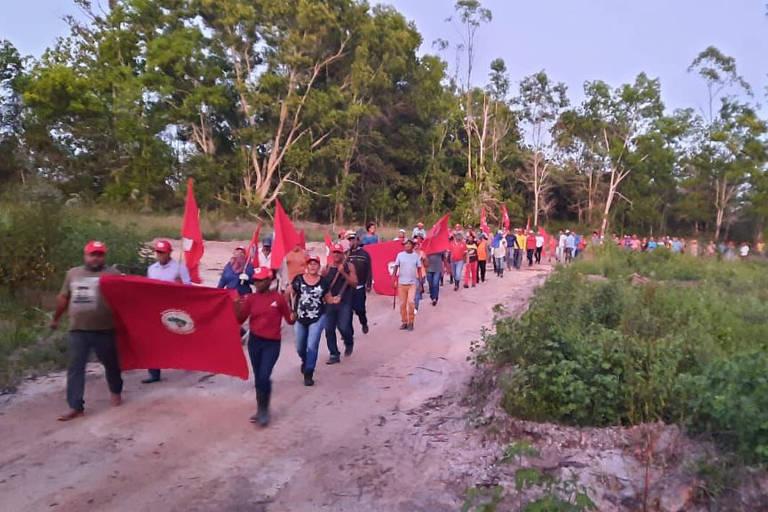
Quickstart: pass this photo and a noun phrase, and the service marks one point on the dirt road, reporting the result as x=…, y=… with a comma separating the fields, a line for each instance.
x=349, y=443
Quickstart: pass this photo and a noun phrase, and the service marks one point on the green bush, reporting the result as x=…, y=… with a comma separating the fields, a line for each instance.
x=594, y=352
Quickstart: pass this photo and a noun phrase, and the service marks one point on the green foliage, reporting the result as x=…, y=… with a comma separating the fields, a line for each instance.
x=687, y=346
x=482, y=499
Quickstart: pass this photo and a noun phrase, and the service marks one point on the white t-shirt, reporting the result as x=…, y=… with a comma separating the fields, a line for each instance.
x=408, y=265
x=539, y=241
x=744, y=250
x=173, y=272
x=501, y=250
x=561, y=242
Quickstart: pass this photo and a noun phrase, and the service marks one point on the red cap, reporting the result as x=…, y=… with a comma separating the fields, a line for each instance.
x=313, y=257
x=261, y=273
x=163, y=246
x=95, y=247
x=240, y=248
x=337, y=248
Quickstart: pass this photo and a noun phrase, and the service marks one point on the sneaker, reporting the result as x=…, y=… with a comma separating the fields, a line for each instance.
x=308, y=380
x=434, y=302
x=150, y=380
x=333, y=360
x=365, y=329
x=410, y=327
x=403, y=327
x=467, y=286
x=348, y=351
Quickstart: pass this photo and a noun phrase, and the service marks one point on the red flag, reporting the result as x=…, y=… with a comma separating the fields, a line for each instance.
x=169, y=325
x=505, y=216
x=253, y=247
x=484, y=223
x=286, y=236
x=191, y=236
x=328, y=243
x=543, y=232
x=437, y=238
x=383, y=257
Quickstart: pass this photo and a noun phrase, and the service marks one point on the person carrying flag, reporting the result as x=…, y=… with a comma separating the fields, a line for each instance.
x=265, y=309
x=361, y=260
x=237, y=273
x=91, y=327
x=166, y=269
x=342, y=280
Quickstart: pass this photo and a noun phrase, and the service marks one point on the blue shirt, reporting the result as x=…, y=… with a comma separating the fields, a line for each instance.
x=231, y=280
x=369, y=239
x=652, y=245
x=677, y=246
x=570, y=241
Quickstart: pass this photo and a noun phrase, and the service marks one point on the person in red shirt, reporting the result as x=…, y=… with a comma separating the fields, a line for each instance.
x=458, y=257
x=530, y=247
x=265, y=311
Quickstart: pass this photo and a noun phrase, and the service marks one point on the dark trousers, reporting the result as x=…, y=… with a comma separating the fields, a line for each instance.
x=338, y=316
x=530, y=256
x=518, y=258
x=434, y=278
x=155, y=374
x=80, y=344
x=358, y=306
x=538, y=254
x=263, y=354
x=481, y=269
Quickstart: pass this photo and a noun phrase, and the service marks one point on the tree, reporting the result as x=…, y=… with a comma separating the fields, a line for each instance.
x=541, y=102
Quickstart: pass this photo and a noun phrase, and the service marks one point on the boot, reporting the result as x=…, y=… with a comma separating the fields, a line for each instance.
x=262, y=413
x=308, y=381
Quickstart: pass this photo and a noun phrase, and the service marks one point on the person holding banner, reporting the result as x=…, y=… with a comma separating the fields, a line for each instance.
x=169, y=270
x=91, y=327
x=265, y=309
x=342, y=280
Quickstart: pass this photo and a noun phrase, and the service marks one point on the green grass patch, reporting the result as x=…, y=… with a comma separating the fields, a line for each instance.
x=687, y=346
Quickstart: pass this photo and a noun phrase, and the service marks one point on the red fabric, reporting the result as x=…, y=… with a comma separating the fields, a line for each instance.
x=484, y=222
x=191, y=236
x=253, y=247
x=286, y=236
x=143, y=310
x=328, y=242
x=470, y=269
x=437, y=237
x=266, y=312
x=458, y=251
x=547, y=240
x=530, y=242
x=383, y=257
x=504, y=216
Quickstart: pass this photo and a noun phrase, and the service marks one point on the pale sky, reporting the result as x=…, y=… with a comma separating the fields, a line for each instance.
x=573, y=40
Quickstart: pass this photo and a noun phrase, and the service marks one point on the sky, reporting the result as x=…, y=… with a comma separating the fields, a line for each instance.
x=573, y=40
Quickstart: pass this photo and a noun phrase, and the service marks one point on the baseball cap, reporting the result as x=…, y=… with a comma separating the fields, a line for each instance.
x=313, y=257
x=337, y=248
x=267, y=241
x=261, y=273
x=163, y=246
x=95, y=247
x=351, y=234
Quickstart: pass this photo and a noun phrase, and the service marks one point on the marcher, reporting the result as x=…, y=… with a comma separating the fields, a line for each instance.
x=499, y=253
x=560, y=246
x=539, y=247
x=295, y=264
x=530, y=247
x=458, y=258
x=570, y=246
x=744, y=250
x=435, y=265
x=407, y=273
x=361, y=260
x=170, y=270
x=264, y=311
x=419, y=231
x=511, y=238
x=237, y=274
x=417, y=242
x=265, y=255
x=342, y=280
x=308, y=298
x=482, y=257
x=370, y=236
x=90, y=328
x=470, y=273
x=522, y=242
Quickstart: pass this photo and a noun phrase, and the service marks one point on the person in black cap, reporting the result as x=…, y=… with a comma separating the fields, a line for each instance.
x=361, y=260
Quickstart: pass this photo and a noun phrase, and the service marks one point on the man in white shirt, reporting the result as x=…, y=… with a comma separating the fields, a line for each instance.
x=539, y=246
x=169, y=270
x=409, y=271
x=419, y=231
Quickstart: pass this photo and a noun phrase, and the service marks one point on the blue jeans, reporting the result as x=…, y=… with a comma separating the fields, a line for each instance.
x=433, y=278
x=338, y=316
x=308, y=341
x=499, y=265
x=456, y=268
x=518, y=258
x=419, y=292
x=263, y=354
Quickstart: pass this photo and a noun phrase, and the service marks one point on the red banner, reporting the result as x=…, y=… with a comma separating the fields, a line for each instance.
x=286, y=236
x=437, y=238
x=169, y=325
x=383, y=257
x=543, y=232
x=253, y=247
x=504, y=217
x=191, y=236
x=484, y=222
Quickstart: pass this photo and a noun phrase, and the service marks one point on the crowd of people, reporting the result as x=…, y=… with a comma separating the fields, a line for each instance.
x=316, y=300
x=727, y=250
